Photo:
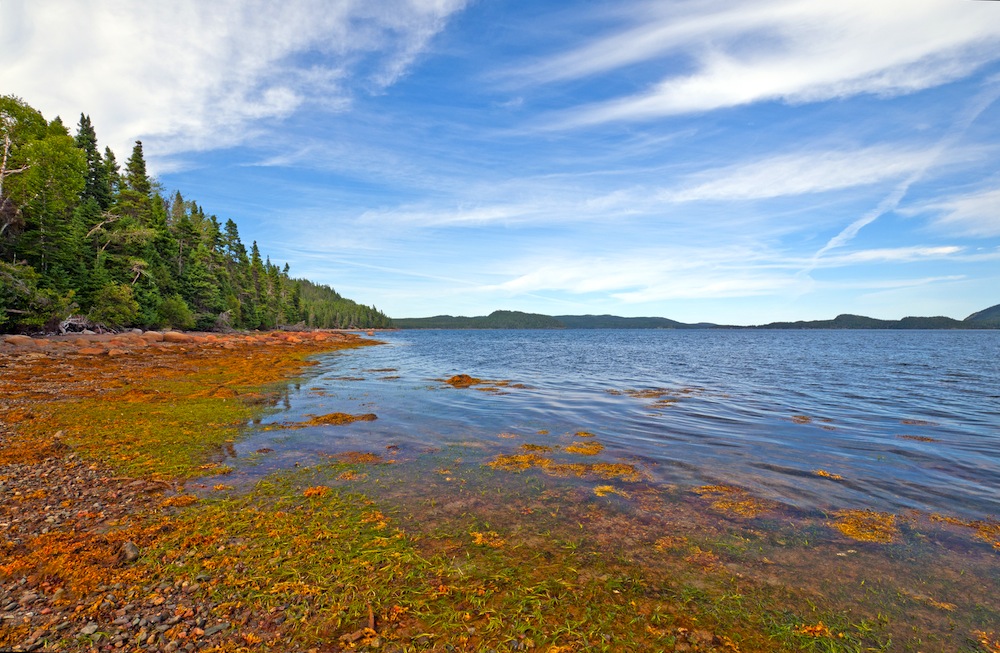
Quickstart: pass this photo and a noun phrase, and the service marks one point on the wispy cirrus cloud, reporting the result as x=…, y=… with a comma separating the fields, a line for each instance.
x=193, y=76
x=693, y=272
x=646, y=275
x=892, y=255
x=725, y=55
x=975, y=215
x=803, y=172
x=594, y=197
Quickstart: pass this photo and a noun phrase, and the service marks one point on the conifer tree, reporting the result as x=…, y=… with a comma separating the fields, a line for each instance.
x=135, y=172
x=112, y=172
x=97, y=187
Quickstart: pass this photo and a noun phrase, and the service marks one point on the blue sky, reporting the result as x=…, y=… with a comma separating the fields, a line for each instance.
x=727, y=162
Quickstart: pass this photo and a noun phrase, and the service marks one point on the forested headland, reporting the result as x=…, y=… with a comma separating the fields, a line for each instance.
x=985, y=319
x=82, y=236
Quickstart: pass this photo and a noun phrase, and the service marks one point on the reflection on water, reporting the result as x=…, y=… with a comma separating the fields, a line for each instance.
x=819, y=420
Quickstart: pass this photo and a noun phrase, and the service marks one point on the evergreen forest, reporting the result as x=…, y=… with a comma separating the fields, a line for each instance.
x=82, y=236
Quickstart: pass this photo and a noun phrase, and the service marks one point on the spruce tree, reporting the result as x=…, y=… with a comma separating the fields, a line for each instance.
x=97, y=186
x=135, y=172
x=112, y=173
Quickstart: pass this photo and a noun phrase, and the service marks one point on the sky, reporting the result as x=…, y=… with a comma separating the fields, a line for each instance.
x=736, y=163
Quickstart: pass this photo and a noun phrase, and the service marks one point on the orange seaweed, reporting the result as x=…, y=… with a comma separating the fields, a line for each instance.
x=586, y=448
x=734, y=500
x=867, y=525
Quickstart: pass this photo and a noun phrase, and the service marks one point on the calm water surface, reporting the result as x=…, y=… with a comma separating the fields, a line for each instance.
x=759, y=409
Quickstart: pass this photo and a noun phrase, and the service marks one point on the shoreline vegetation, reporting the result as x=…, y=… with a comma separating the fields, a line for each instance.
x=986, y=319
x=86, y=243
x=123, y=530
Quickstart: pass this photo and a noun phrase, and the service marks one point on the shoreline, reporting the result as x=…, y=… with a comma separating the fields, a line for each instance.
x=100, y=451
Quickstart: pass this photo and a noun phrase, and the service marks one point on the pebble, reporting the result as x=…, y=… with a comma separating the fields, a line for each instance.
x=218, y=628
x=130, y=552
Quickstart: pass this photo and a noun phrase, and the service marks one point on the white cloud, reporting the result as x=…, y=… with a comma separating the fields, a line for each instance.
x=460, y=216
x=597, y=197
x=191, y=75
x=645, y=275
x=723, y=55
x=802, y=172
x=891, y=255
x=518, y=201
x=639, y=276
x=976, y=215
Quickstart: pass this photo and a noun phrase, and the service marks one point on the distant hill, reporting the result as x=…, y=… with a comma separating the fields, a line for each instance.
x=519, y=320
x=616, y=322
x=985, y=319
x=495, y=320
x=987, y=316
x=847, y=321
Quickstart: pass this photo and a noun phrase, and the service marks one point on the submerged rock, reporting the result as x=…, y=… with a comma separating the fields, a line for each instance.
x=463, y=381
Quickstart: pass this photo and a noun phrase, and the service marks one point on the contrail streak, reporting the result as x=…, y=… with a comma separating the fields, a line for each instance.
x=892, y=200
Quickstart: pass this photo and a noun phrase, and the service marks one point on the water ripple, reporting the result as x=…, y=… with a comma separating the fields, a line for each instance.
x=908, y=419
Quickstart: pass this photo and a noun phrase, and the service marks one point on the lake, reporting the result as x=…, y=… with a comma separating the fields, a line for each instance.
x=894, y=420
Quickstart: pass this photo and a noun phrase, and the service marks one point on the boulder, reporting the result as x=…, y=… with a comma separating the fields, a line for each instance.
x=176, y=336
x=20, y=341
x=152, y=336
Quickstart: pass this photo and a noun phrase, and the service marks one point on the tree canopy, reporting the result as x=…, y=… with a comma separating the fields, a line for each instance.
x=80, y=236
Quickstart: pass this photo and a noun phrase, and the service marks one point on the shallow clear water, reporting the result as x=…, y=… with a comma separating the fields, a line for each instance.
x=759, y=409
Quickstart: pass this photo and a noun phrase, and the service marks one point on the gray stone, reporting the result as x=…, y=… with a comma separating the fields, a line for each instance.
x=129, y=552
x=218, y=628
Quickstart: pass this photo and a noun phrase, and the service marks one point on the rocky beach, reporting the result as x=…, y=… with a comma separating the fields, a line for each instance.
x=74, y=527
